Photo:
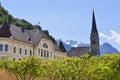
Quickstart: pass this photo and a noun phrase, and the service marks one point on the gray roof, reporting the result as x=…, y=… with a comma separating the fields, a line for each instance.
x=30, y=36
x=36, y=35
x=78, y=51
x=56, y=47
x=18, y=34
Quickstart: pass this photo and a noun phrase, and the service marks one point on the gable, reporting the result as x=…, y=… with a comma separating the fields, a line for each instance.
x=4, y=30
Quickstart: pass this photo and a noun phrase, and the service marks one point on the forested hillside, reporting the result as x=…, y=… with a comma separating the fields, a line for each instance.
x=4, y=15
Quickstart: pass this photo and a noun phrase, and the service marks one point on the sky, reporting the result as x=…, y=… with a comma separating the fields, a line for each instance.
x=71, y=19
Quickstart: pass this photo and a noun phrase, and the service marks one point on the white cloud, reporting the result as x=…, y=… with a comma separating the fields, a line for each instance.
x=114, y=36
x=103, y=35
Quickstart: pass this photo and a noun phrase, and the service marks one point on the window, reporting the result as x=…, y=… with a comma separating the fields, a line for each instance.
x=14, y=49
x=20, y=50
x=38, y=52
x=1, y=47
x=44, y=53
x=6, y=47
x=45, y=45
x=30, y=52
x=25, y=51
x=41, y=52
x=47, y=53
x=51, y=54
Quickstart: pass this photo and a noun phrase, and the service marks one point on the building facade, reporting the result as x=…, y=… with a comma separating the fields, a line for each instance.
x=18, y=43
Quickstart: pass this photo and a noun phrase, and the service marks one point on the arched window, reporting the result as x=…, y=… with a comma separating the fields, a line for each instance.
x=44, y=53
x=41, y=52
x=14, y=49
x=25, y=51
x=38, y=52
x=45, y=45
x=47, y=53
x=20, y=50
x=30, y=52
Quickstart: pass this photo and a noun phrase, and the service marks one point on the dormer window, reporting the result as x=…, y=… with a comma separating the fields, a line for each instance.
x=45, y=45
x=28, y=39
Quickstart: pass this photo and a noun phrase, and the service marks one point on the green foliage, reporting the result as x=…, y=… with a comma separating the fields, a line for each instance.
x=18, y=22
x=53, y=39
x=86, y=67
x=47, y=33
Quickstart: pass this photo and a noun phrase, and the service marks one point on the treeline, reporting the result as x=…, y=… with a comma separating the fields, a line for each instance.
x=86, y=67
x=4, y=15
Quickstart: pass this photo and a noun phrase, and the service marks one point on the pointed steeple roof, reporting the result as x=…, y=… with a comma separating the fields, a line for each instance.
x=61, y=46
x=5, y=30
x=94, y=26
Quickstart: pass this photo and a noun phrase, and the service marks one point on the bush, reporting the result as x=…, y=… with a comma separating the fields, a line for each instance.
x=86, y=67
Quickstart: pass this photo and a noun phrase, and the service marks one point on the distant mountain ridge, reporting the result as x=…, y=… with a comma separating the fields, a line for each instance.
x=76, y=43
x=104, y=48
x=70, y=43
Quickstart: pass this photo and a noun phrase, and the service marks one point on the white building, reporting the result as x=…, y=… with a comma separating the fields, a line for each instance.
x=18, y=43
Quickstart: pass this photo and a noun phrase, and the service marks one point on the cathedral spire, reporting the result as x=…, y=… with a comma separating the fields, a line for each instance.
x=94, y=37
x=94, y=26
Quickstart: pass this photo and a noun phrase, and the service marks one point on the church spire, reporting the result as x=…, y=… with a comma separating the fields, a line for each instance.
x=94, y=26
x=94, y=37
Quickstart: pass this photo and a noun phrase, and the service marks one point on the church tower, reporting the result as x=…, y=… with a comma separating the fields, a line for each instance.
x=94, y=37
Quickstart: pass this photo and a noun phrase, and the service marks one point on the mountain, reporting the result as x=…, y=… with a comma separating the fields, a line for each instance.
x=104, y=48
x=75, y=43
x=71, y=43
